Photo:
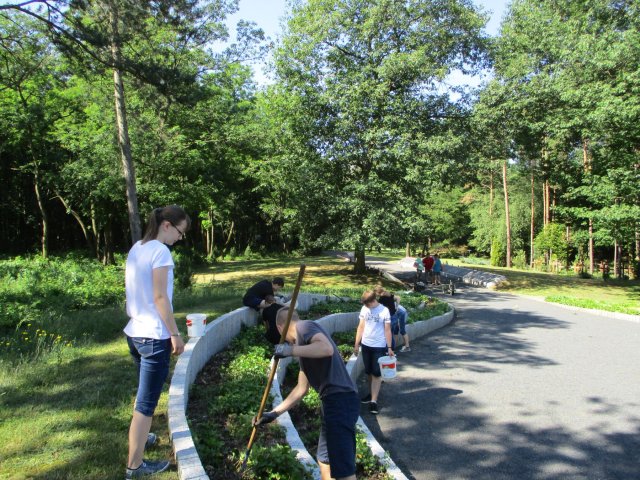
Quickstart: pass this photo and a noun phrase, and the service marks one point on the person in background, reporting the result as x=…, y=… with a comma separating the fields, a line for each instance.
x=388, y=300
x=374, y=335
x=428, y=266
x=152, y=333
x=322, y=368
x=437, y=269
x=419, y=266
x=261, y=294
x=402, y=315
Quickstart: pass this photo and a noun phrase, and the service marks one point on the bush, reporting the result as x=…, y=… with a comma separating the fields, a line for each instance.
x=184, y=259
x=276, y=463
x=520, y=260
x=33, y=288
x=498, y=253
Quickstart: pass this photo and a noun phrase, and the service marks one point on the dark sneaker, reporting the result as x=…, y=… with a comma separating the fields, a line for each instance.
x=373, y=408
x=146, y=468
x=366, y=399
x=152, y=438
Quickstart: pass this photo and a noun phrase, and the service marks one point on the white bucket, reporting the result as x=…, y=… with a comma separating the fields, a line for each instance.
x=387, y=367
x=196, y=323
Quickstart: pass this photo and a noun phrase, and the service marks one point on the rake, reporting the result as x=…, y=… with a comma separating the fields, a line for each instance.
x=274, y=367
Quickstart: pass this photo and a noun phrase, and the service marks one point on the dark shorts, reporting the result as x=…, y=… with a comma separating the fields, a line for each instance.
x=151, y=357
x=252, y=301
x=370, y=356
x=337, y=443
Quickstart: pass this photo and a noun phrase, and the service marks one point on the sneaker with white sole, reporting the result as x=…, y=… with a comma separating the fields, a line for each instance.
x=146, y=468
x=373, y=408
x=366, y=399
x=405, y=349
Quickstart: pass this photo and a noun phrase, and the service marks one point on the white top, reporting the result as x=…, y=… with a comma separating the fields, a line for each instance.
x=144, y=318
x=374, y=320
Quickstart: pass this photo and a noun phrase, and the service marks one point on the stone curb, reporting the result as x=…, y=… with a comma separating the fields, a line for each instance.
x=217, y=335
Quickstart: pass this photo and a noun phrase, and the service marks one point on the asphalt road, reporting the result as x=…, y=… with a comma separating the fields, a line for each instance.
x=515, y=388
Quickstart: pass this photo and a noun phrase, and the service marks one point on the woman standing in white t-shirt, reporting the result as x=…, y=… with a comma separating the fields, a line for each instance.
x=152, y=334
x=374, y=333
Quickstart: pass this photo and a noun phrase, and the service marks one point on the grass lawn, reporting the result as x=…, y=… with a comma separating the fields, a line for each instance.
x=612, y=295
x=66, y=415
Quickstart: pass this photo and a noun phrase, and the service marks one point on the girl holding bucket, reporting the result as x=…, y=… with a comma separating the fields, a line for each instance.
x=374, y=334
x=152, y=334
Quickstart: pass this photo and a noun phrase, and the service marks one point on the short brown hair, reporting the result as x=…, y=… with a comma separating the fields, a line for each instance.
x=368, y=297
x=281, y=316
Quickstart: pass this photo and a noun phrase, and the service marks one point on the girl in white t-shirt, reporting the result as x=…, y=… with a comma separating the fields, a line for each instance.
x=374, y=334
x=152, y=334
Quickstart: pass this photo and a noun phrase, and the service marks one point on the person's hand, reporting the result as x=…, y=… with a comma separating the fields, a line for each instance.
x=283, y=350
x=390, y=352
x=267, y=417
x=177, y=344
x=356, y=350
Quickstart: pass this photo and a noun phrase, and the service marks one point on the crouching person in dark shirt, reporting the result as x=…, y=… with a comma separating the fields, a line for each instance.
x=261, y=294
x=322, y=368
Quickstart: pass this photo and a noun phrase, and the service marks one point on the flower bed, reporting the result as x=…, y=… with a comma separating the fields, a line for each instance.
x=227, y=393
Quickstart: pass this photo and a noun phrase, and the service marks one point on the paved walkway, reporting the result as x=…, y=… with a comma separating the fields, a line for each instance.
x=515, y=389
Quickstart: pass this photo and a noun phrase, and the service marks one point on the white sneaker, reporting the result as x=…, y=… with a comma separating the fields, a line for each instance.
x=405, y=349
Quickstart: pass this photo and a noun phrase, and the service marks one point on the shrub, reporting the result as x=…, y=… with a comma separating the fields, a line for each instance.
x=276, y=463
x=184, y=259
x=520, y=259
x=33, y=288
x=498, y=253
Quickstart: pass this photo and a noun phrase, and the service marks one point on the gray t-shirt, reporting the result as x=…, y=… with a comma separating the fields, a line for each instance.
x=326, y=375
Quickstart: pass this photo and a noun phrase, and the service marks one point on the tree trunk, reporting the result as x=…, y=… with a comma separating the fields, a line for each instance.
x=94, y=226
x=506, y=211
x=78, y=219
x=616, y=260
x=108, y=259
x=123, y=132
x=533, y=218
x=407, y=250
x=43, y=213
x=591, y=259
x=490, y=194
x=359, y=265
x=547, y=202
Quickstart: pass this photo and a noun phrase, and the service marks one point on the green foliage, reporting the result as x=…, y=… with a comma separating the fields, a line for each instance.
x=276, y=463
x=33, y=289
x=184, y=260
x=594, y=304
x=552, y=238
x=328, y=308
x=498, y=253
x=519, y=260
x=366, y=462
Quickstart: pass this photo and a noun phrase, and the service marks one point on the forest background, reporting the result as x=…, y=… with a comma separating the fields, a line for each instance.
x=358, y=143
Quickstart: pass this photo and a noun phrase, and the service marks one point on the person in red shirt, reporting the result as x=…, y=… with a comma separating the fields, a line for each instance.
x=428, y=266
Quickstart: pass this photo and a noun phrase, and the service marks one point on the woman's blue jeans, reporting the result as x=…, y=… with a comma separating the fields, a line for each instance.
x=151, y=357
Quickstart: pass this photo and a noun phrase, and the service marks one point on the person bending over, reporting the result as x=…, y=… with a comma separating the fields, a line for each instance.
x=261, y=295
x=322, y=368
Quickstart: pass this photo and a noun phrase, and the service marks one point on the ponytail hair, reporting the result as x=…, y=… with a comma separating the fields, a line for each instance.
x=172, y=214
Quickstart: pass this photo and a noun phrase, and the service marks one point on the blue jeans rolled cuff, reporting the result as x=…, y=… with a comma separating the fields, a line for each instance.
x=151, y=357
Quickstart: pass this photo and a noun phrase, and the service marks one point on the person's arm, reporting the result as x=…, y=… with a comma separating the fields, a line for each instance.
x=387, y=336
x=359, y=332
x=318, y=347
x=298, y=392
x=160, y=278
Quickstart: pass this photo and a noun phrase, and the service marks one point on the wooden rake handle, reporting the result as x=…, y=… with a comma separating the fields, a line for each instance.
x=274, y=363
